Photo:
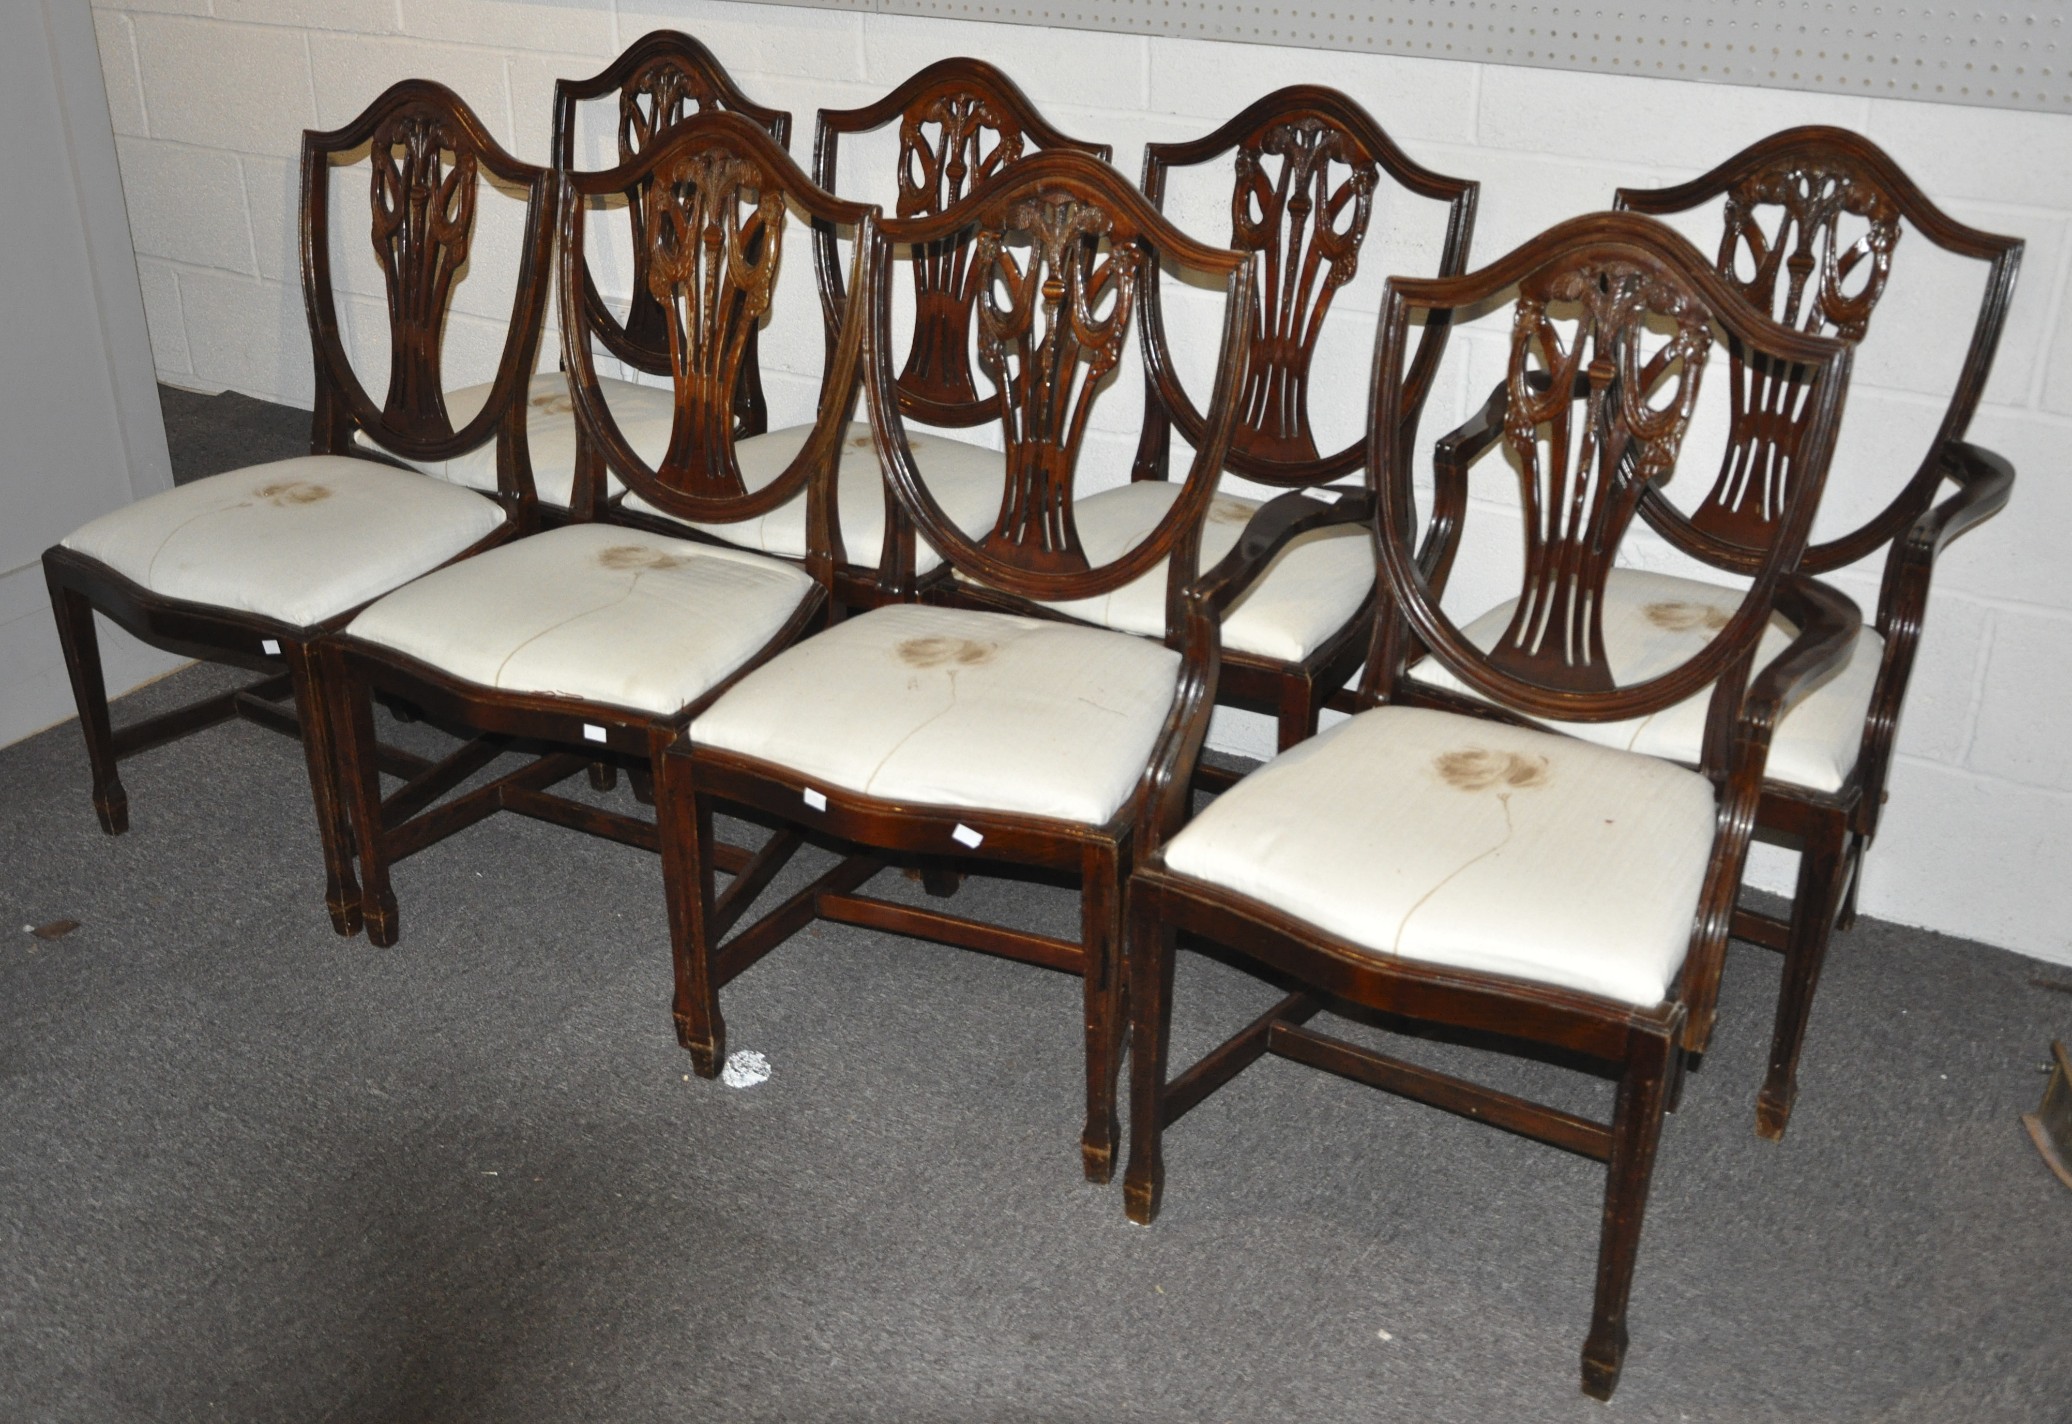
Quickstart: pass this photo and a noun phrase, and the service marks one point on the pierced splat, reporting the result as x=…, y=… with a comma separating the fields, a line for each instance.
x=712, y=236
x=948, y=146
x=1800, y=274
x=1047, y=348
x=660, y=93
x=1584, y=470
x=1307, y=233
x=423, y=212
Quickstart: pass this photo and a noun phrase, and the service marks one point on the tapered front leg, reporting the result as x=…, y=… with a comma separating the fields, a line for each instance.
x=1636, y=1132
x=1299, y=710
x=1100, y=912
x=688, y=875
x=359, y=780
x=1151, y=953
x=326, y=784
x=1822, y=861
x=82, y=645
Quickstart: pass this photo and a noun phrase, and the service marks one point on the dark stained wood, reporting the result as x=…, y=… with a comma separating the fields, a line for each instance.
x=1056, y=240
x=426, y=153
x=1603, y=421
x=1311, y=169
x=1811, y=221
x=714, y=191
x=661, y=78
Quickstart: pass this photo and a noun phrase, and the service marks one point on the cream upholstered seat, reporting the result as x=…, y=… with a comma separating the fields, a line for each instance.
x=299, y=540
x=593, y=611
x=1309, y=591
x=953, y=707
x=644, y=413
x=965, y=478
x=1654, y=622
x=1474, y=844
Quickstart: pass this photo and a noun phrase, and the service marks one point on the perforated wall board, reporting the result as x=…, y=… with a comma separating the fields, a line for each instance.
x=2008, y=54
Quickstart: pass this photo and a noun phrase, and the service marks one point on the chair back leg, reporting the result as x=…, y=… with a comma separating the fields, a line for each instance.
x=1151, y=955
x=1823, y=863
x=359, y=778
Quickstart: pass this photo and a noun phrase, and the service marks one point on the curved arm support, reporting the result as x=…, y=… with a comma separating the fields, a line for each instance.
x=1828, y=622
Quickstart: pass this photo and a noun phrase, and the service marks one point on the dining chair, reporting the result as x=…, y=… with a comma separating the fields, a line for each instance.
x=937, y=737
x=1311, y=172
x=253, y=567
x=1447, y=864
x=596, y=641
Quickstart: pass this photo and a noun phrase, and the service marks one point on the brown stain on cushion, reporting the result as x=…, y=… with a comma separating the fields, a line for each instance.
x=554, y=403
x=292, y=492
x=1478, y=769
x=630, y=558
x=939, y=650
x=1223, y=510
x=1678, y=617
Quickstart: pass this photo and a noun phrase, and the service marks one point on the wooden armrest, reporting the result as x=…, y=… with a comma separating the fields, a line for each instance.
x=1828, y=621
x=1277, y=522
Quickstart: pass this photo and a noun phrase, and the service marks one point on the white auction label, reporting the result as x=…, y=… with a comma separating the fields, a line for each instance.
x=592, y=732
x=964, y=835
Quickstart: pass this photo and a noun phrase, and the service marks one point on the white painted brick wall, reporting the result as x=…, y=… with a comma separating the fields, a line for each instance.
x=210, y=97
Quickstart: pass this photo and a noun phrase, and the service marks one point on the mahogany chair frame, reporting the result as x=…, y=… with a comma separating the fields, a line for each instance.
x=1811, y=176
x=719, y=156
x=421, y=249
x=659, y=79
x=962, y=100
x=1304, y=257
x=1061, y=198
x=1621, y=268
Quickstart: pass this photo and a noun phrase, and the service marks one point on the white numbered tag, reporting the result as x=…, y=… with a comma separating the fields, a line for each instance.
x=815, y=800
x=270, y=647
x=592, y=732
x=964, y=835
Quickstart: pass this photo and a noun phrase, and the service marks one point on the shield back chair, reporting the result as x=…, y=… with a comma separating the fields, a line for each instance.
x=253, y=567
x=1311, y=168
x=961, y=122
x=594, y=641
x=1785, y=247
x=1439, y=863
x=931, y=736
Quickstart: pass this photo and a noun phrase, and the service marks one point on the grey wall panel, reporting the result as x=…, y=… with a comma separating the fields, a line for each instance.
x=2010, y=54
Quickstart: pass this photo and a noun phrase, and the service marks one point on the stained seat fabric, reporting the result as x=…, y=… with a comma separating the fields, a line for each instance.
x=965, y=479
x=1455, y=841
x=299, y=540
x=955, y=707
x=618, y=616
x=644, y=414
x=1654, y=622
x=1310, y=590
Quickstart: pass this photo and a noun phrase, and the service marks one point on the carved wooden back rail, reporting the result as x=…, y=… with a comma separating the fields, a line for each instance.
x=961, y=123
x=661, y=78
x=1061, y=246
x=1784, y=247
x=716, y=192
x=1306, y=227
x=426, y=152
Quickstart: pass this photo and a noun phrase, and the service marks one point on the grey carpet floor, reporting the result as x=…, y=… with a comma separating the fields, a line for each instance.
x=251, y=1171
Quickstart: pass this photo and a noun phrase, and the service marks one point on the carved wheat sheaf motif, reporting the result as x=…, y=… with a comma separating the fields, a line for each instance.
x=948, y=146
x=660, y=94
x=712, y=236
x=1799, y=273
x=1307, y=233
x=1047, y=350
x=423, y=212
x=1583, y=470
